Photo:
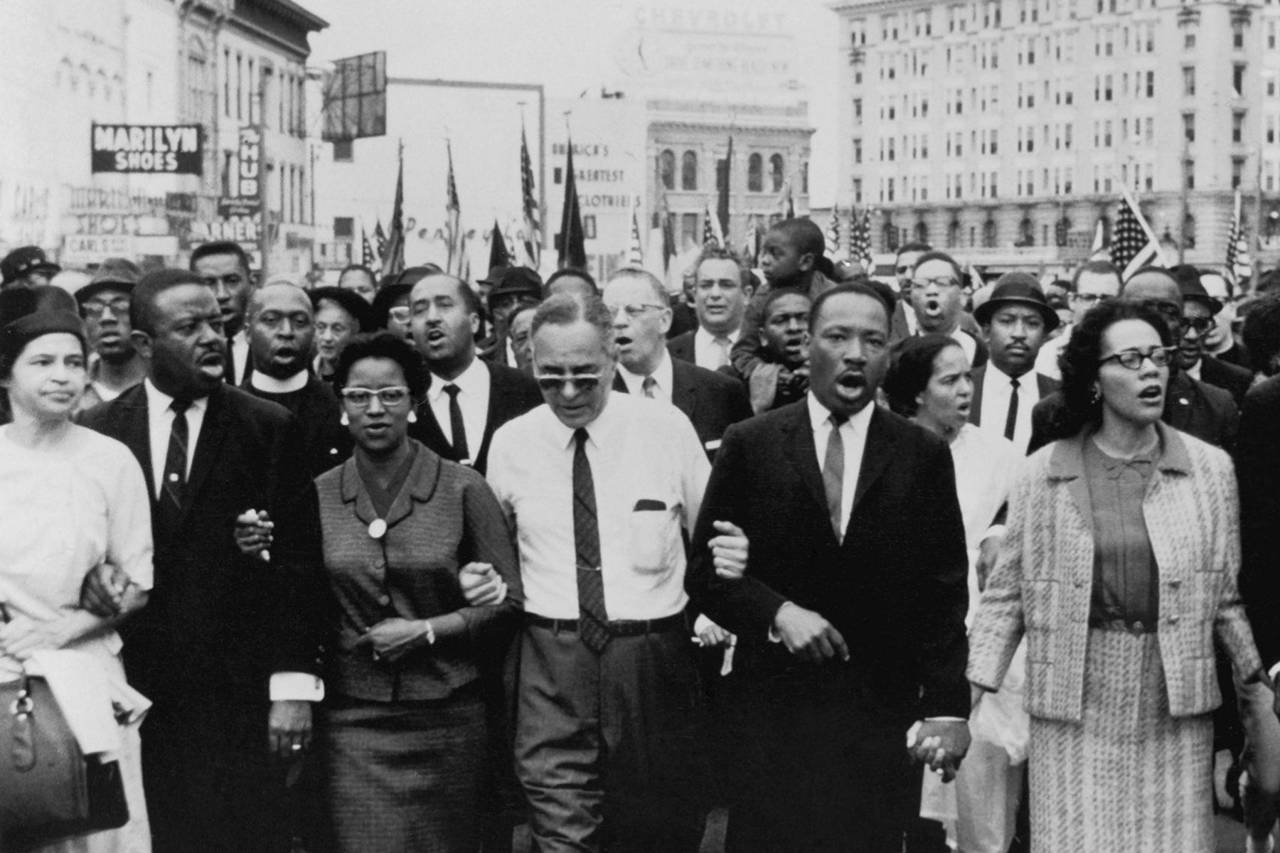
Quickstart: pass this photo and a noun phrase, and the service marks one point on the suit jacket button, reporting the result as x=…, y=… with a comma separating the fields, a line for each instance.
x=384, y=600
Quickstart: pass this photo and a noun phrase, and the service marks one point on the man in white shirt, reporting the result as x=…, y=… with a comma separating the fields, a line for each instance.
x=1016, y=320
x=722, y=288
x=104, y=304
x=224, y=267
x=607, y=731
x=937, y=301
x=1093, y=282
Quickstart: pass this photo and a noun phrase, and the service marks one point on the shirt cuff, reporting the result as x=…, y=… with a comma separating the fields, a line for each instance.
x=945, y=720
x=296, y=687
x=1271, y=673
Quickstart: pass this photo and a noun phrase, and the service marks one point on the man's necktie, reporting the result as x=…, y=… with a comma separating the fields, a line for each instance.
x=1011, y=422
x=833, y=475
x=459, y=430
x=648, y=385
x=173, y=482
x=720, y=353
x=229, y=365
x=592, y=618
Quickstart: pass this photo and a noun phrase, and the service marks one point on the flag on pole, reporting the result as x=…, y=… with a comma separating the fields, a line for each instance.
x=635, y=252
x=380, y=239
x=834, y=248
x=1097, y=238
x=366, y=250
x=709, y=228
x=464, y=262
x=1239, y=264
x=498, y=254
x=668, y=236
x=393, y=257
x=723, y=171
x=1133, y=245
x=751, y=242
x=786, y=204
x=453, y=219
x=532, y=218
x=860, y=239
x=571, y=243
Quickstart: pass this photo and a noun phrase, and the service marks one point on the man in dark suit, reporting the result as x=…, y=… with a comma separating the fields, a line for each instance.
x=281, y=325
x=850, y=616
x=227, y=647
x=1016, y=321
x=1198, y=312
x=722, y=287
x=468, y=398
x=641, y=316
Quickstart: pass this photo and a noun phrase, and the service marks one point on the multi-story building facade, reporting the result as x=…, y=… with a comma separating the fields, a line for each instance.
x=1006, y=129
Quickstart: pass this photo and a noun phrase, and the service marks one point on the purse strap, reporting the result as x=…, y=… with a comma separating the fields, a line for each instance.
x=22, y=750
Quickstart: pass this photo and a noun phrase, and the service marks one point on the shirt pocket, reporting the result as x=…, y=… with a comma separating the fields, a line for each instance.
x=653, y=536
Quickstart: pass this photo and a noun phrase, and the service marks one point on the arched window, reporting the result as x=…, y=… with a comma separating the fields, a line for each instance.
x=1189, y=232
x=667, y=169
x=1027, y=232
x=989, y=233
x=1063, y=230
x=922, y=232
x=755, y=174
x=804, y=178
x=890, y=233
x=775, y=172
x=953, y=234
x=1106, y=229
x=689, y=171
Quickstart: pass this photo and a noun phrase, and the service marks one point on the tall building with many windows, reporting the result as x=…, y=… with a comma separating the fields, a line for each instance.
x=1006, y=129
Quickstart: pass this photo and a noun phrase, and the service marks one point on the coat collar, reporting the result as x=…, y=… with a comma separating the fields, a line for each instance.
x=1066, y=463
x=419, y=486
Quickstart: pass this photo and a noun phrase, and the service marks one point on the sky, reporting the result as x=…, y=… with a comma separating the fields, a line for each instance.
x=569, y=46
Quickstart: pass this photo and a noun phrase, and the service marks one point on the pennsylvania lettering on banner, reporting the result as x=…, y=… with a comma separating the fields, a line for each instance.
x=166, y=149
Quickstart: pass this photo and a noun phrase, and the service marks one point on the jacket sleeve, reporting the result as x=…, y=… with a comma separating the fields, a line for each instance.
x=487, y=538
x=1230, y=625
x=1258, y=468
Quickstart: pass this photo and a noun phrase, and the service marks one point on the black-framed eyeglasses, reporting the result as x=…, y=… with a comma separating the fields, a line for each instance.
x=1200, y=324
x=1132, y=359
x=633, y=311
x=581, y=381
x=903, y=270
x=97, y=307
x=942, y=281
x=390, y=396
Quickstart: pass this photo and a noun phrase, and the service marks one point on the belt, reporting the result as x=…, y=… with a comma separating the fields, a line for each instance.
x=1128, y=626
x=616, y=627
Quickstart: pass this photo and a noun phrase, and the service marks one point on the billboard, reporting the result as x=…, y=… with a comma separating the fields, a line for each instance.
x=355, y=101
x=166, y=149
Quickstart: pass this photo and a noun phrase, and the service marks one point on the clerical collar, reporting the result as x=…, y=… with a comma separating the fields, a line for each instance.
x=271, y=385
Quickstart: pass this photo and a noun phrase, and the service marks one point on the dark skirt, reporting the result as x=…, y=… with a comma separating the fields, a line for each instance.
x=406, y=775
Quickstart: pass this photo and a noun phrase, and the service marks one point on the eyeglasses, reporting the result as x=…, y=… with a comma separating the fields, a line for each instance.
x=96, y=307
x=1090, y=298
x=903, y=270
x=581, y=381
x=392, y=395
x=1133, y=358
x=632, y=311
x=1200, y=324
x=936, y=282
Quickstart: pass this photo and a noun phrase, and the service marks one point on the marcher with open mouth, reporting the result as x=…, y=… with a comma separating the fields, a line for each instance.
x=1119, y=567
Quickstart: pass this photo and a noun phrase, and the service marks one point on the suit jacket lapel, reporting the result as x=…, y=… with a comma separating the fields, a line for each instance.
x=213, y=431
x=683, y=394
x=803, y=455
x=136, y=434
x=433, y=434
x=875, y=457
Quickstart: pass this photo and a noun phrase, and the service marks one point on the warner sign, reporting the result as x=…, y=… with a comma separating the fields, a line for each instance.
x=164, y=149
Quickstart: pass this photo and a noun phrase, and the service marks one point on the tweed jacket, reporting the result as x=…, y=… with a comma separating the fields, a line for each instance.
x=1043, y=579
x=444, y=517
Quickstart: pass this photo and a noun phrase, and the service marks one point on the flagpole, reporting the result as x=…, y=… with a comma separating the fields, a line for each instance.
x=1142, y=220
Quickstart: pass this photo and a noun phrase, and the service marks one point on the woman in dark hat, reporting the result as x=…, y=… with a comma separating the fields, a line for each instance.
x=72, y=499
x=390, y=310
x=341, y=314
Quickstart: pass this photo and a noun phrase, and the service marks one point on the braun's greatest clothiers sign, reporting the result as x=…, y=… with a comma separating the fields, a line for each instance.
x=155, y=148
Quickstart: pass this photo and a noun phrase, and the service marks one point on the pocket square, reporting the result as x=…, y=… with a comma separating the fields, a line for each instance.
x=647, y=504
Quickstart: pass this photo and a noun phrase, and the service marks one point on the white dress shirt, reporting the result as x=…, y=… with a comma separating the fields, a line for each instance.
x=663, y=377
x=473, y=401
x=639, y=450
x=240, y=355
x=160, y=426
x=997, y=388
x=853, y=435
x=1047, y=358
x=967, y=342
x=705, y=351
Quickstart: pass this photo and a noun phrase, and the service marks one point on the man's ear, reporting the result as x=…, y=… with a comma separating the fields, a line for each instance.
x=141, y=343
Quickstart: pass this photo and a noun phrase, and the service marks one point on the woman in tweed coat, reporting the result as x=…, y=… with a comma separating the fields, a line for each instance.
x=1120, y=567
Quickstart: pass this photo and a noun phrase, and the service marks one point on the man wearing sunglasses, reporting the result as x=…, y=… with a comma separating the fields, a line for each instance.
x=1198, y=312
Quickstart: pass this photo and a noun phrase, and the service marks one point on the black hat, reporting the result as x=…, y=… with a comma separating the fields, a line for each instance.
x=494, y=276
x=516, y=280
x=23, y=260
x=350, y=301
x=1017, y=288
x=113, y=274
x=1188, y=279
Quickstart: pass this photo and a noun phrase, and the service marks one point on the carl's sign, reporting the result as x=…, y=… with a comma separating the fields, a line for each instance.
x=173, y=149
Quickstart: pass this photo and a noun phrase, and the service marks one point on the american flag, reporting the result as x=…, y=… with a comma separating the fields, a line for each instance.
x=453, y=219
x=751, y=245
x=860, y=239
x=532, y=225
x=668, y=235
x=709, y=228
x=834, y=247
x=1132, y=244
x=1238, y=261
x=393, y=257
x=380, y=239
x=635, y=252
x=366, y=251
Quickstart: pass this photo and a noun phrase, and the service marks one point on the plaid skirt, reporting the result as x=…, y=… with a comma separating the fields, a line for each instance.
x=1129, y=778
x=405, y=775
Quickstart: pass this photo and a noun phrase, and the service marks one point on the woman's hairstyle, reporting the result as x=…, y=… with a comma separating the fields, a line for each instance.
x=911, y=363
x=387, y=345
x=1261, y=332
x=1079, y=361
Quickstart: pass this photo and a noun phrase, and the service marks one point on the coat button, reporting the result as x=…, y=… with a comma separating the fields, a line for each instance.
x=1174, y=582
x=1138, y=627
x=1172, y=620
x=384, y=600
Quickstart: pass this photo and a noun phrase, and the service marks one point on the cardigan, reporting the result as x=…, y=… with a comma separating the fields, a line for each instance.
x=1042, y=582
x=444, y=516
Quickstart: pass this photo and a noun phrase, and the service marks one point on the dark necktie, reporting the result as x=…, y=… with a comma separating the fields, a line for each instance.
x=592, y=618
x=833, y=475
x=1011, y=422
x=229, y=371
x=456, y=426
x=173, y=482
x=648, y=385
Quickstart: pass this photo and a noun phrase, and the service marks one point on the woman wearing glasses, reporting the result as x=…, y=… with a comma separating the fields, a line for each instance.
x=409, y=539
x=1119, y=565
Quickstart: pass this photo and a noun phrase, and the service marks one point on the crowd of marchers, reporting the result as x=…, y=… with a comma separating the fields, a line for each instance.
x=412, y=563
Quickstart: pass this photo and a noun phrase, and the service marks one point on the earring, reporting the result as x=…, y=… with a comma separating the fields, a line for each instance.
x=1096, y=396
x=344, y=420
x=413, y=416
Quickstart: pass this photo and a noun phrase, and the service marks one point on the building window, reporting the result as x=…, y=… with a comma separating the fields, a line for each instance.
x=689, y=171
x=1189, y=174
x=342, y=151
x=776, y=172
x=667, y=169
x=1237, y=79
x=1189, y=40
x=857, y=109
x=755, y=170
x=1237, y=127
x=1189, y=80
x=988, y=234
x=690, y=235
x=1189, y=126
x=953, y=234
x=857, y=190
x=1237, y=34
x=1026, y=232
x=344, y=228
x=1189, y=231
x=1237, y=172
x=857, y=151
x=922, y=232
x=890, y=235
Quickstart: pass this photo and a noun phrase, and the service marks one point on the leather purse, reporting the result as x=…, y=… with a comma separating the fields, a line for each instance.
x=49, y=789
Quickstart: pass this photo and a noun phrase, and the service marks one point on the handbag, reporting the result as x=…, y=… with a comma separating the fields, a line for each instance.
x=49, y=789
